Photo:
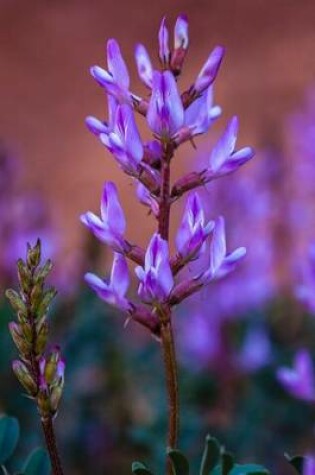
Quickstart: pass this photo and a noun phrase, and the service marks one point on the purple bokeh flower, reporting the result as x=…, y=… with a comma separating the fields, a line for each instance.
x=156, y=279
x=110, y=228
x=115, y=290
x=299, y=381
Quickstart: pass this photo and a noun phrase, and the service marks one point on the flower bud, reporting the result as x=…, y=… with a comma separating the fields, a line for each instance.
x=24, y=376
x=16, y=301
x=33, y=254
x=22, y=345
x=24, y=275
x=180, y=44
x=42, y=337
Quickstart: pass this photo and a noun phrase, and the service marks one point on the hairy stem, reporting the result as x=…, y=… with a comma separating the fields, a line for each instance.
x=167, y=339
x=51, y=444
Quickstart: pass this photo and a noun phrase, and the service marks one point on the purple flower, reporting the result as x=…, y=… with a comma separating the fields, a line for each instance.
x=221, y=263
x=256, y=350
x=116, y=80
x=198, y=117
x=193, y=230
x=156, y=279
x=115, y=290
x=124, y=140
x=224, y=159
x=165, y=112
x=144, y=65
x=305, y=292
x=299, y=381
x=111, y=227
x=209, y=70
x=309, y=465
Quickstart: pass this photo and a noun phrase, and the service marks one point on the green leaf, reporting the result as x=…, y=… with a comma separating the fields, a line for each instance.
x=38, y=463
x=140, y=469
x=210, y=456
x=249, y=469
x=179, y=462
x=4, y=470
x=296, y=461
x=9, y=436
x=227, y=462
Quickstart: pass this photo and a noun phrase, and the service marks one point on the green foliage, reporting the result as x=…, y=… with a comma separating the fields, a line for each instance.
x=38, y=463
x=9, y=436
x=296, y=462
x=215, y=461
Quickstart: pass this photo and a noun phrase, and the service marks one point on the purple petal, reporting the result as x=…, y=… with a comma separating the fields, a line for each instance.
x=209, y=70
x=164, y=51
x=165, y=112
x=144, y=65
x=117, y=65
x=119, y=280
x=111, y=209
x=218, y=246
x=309, y=465
x=225, y=146
x=96, y=126
x=101, y=76
x=134, y=145
x=181, y=39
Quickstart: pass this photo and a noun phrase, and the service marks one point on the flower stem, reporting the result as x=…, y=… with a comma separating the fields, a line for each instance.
x=167, y=338
x=50, y=439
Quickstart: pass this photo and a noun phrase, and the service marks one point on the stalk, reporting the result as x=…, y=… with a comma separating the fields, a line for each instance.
x=167, y=338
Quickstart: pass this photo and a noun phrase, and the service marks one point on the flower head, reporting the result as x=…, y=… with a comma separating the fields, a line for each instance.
x=156, y=279
x=299, y=381
x=111, y=226
x=115, y=290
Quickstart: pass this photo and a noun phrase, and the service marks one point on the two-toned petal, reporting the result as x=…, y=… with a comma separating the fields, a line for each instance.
x=209, y=70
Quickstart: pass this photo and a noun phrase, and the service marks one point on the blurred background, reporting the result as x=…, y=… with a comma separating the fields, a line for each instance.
x=232, y=339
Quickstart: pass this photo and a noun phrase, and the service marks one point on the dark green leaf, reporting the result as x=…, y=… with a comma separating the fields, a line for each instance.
x=179, y=462
x=296, y=461
x=38, y=463
x=227, y=463
x=9, y=436
x=140, y=469
x=210, y=455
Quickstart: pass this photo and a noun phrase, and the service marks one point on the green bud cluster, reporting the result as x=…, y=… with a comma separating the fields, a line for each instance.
x=41, y=376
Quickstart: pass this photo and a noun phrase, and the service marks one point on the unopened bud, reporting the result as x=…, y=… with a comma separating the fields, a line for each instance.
x=180, y=44
x=16, y=301
x=24, y=275
x=16, y=332
x=55, y=397
x=24, y=376
x=44, y=305
x=42, y=272
x=41, y=337
x=33, y=254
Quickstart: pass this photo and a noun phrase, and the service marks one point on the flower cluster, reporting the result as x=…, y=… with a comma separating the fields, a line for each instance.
x=173, y=117
x=41, y=373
